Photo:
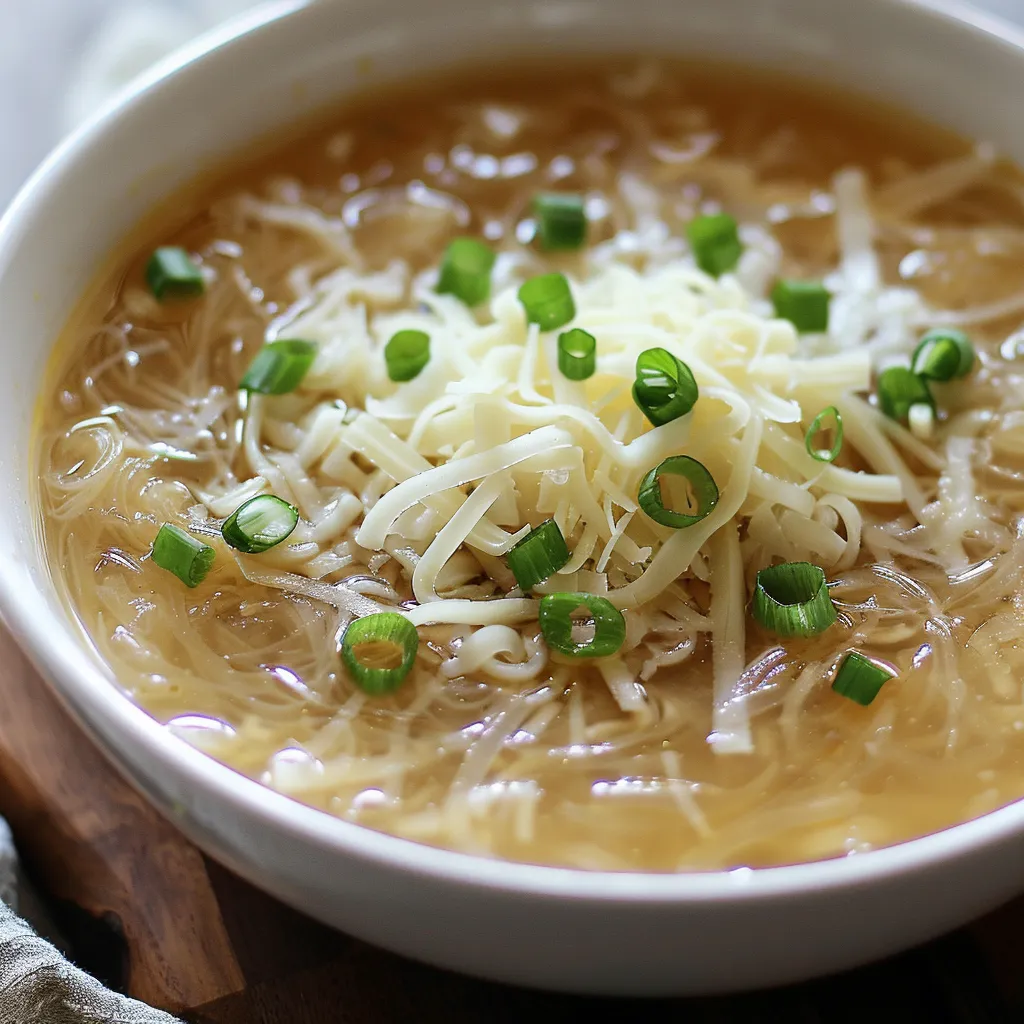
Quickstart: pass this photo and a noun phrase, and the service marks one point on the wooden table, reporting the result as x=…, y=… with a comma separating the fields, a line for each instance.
x=149, y=914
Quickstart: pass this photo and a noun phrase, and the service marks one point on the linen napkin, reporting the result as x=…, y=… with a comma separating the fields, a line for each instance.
x=37, y=984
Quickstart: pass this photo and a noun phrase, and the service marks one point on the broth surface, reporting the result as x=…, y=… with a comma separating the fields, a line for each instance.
x=144, y=418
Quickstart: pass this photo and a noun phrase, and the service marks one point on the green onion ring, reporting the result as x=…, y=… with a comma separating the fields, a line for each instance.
x=259, y=524
x=860, y=679
x=665, y=387
x=943, y=355
x=556, y=623
x=792, y=599
x=406, y=355
x=540, y=554
x=705, y=491
x=182, y=554
x=548, y=302
x=382, y=628
x=577, y=354
x=817, y=425
x=898, y=389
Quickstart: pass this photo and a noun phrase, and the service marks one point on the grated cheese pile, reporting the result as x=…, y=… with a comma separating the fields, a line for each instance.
x=446, y=472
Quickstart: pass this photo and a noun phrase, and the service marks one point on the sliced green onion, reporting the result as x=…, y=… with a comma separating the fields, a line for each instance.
x=715, y=241
x=860, y=678
x=373, y=644
x=820, y=423
x=792, y=600
x=561, y=220
x=921, y=420
x=466, y=271
x=406, y=354
x=577, y=354
x=657, y=376
x=665, y=388
x=259, y=524
x=540, y=554
x=184, y=555
x=279, y=367
x=702, y=486
x=557, y=625
x=803, y=303
x=172, y=274
x=899, y=389
x=547, y=301
x=943, y=355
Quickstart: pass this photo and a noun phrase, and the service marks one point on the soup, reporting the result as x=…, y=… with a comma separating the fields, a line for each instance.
x=617, y=469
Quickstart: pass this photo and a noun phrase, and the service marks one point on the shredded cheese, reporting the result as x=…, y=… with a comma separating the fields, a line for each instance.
x=452, y=468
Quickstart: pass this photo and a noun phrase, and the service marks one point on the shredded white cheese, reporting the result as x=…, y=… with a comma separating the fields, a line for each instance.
x=490, y=439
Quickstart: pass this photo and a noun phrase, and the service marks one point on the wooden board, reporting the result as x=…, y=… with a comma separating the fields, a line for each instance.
x=149, y=914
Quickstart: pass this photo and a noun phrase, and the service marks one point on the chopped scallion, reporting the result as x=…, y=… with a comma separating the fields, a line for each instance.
x=466, y=271
x=406, y=354
x=898, y=389
x=548, y=301
x=259, y=524
x=792, y=599
x=803, y=303
x=943, y=355
x=561, y=220
x=715, y=241
x=828, y=419
x=560, y=627
x=279, y=367
x=860, y=679
x=540, y=554
x=184, y=555
x=379, y=651
x=577, y=354
x=702, y=486
x=921, y=420
x=665, y=388
x=172, y=274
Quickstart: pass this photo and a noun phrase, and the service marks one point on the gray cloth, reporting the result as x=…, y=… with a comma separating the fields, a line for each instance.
x=37, y=984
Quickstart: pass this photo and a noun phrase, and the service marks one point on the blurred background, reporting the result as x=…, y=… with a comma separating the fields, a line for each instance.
x=59, y=59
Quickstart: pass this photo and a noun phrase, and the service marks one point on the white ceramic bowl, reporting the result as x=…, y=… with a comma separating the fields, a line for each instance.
x=601, y=933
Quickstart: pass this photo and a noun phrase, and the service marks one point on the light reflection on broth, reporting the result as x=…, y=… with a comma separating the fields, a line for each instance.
x=526, y=756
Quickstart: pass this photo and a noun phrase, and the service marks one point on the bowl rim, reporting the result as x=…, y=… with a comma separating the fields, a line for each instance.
x=91, y=697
